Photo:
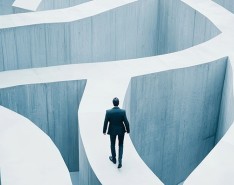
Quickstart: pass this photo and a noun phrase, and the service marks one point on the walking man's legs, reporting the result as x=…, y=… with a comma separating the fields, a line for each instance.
x=113, y=153
x=121, y=140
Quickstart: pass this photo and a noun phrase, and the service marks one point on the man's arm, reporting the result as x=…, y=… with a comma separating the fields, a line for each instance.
x=105, y=124
x=126, y=123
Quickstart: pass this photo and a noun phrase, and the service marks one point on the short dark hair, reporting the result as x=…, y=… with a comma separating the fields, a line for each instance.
x=115, y=101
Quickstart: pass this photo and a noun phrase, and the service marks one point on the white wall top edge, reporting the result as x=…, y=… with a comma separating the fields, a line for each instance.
x=31, y=5
x=78, y=12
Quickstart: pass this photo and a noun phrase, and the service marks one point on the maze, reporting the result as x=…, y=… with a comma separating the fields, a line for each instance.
x=168, y=61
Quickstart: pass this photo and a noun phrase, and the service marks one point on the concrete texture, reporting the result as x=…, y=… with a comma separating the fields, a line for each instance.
x=174, y=117
x=180, y=26
x=75, y=178
x=217, y=167
x=226, y=116
x=53, y=108
x=228, y=4
x=7, y=8
x=139, y=29
x=41, y=5
x=90, y=179
x=57, y=4
x=27, y=5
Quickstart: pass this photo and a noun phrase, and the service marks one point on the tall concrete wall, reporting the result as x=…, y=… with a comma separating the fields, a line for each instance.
x=53, y=108
x=143, y=28
x=226, y=116
x=228, y=4
x=57, y=4
x=174, y=117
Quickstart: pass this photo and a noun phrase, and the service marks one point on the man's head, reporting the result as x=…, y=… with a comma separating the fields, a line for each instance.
x=115, y=101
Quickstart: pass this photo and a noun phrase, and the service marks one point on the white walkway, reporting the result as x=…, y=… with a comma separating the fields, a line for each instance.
x=27, y=155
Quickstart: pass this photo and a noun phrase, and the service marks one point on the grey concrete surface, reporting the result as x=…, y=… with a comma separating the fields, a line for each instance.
x=6, y=8
x=57, y=4
x=228, y=4
x=180, y=27
x=226, y=116
x=75, y=178
x=140, y=29
x=86, y=173
x=53, y=108
x=174, y=117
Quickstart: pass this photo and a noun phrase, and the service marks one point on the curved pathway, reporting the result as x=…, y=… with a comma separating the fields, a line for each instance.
x=28, y=156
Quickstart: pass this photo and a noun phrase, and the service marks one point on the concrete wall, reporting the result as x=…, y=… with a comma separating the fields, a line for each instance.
x=143, y=28
x=226, y=116
x=228, y=4
x=180, y=27
x=86, y=174
x=53, y=108
x=6, y=8
x=174, y=117
x=57, y=4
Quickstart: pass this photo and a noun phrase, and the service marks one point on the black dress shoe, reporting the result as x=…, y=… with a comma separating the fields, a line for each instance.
x=120, y=165
x=112, y=159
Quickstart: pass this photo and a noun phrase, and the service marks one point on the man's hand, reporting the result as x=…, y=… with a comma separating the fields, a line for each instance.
x=104, y=133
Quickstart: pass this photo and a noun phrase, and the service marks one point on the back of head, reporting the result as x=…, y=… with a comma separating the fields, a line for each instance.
x=115, y=101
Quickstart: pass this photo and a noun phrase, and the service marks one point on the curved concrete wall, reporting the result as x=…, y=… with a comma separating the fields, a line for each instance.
x=53, y=108
x=226, y=116
x=180, y=27
x=174, y=117
x=136, y=30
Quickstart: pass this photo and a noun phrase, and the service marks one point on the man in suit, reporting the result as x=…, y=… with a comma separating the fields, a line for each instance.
x=118, y=125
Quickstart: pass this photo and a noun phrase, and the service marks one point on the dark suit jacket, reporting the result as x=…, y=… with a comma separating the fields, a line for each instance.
x=118, y=123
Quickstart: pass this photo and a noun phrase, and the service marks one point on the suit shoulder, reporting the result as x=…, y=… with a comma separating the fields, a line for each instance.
x=123, y=110
x=108, y=110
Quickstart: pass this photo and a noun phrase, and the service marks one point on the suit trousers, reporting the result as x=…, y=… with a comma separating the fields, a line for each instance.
x=121, y=140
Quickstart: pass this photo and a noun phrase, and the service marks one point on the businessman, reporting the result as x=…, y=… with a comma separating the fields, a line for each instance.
x=118, y=125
